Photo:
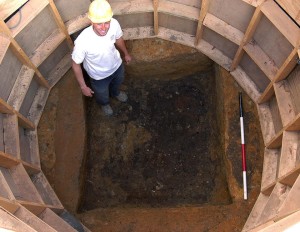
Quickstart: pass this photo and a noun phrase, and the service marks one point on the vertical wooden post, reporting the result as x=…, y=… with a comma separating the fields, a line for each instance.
x=155, y=6
x=61, y=24
x=203, y=12
x=248, y=35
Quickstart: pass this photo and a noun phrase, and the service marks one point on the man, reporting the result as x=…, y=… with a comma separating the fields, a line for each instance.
x=95, y=48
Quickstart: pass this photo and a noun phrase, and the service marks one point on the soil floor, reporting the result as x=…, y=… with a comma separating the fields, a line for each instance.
x=159, y=149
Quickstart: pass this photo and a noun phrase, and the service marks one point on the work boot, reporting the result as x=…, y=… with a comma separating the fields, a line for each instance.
x=122, y=97
x=107, y=110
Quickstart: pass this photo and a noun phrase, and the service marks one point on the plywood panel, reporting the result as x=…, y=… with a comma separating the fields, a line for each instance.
x=39, y=29
x=177, y=24
x=254, y=72
x=135, y=20
x=9, y=69
x=29, y=97
x=235, y=12
x=47, y=66
x=225, y=46
x=272, y=42
x=71, y=9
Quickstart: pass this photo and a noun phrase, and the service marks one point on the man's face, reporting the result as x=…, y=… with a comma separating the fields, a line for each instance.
x=101, y=29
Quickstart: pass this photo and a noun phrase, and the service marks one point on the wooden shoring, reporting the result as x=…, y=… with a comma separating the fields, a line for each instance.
x=200, y=27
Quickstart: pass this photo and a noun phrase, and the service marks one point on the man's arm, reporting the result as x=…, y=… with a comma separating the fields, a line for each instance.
x=121, y=45
x=86, y=91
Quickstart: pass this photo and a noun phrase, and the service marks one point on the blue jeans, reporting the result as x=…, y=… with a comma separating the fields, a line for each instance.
x=108, y=86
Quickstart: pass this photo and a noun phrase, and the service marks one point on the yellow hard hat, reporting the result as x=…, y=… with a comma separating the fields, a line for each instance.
x=100, y=11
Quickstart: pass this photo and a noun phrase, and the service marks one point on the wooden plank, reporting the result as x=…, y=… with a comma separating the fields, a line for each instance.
x=11, y=135
x=265, y=63
x=294, y=125
x=45, y=190
x=254, y=3
x=284, y=101
x=267, y=94
x=132, y=7
x=276, y=141
x=178, y=9
x=223, y=28
x=32, y=220
x=138, y=33
x=35, y=208
x=10, y=206
x=292, y=7
x=20, y=87
x=55, y=221
x=77, y=23
x=287, y=66
x=281, y=21
x=289, y=223
x=256, y=212
x=8, y=161
x=30, y=168
x=200, y=27
x=47, y=47
x=292, y=202
x=175, y=36
x=22, y=55
x=12, y=223
x=25, y=122
x=60, y=70
x=28, y=192
x=246, y=83
x=32, y=137
x=290, y=156
x=61, y=24
x=270, y=170
x=214, y=54
x=155, y=15
x=247, y=37
x=5, y=108
x=29, y=11
x=9, y=7
x=4, y=44
x=266, y=122
x=276, y=199
x=5, y=191
x=38, y=105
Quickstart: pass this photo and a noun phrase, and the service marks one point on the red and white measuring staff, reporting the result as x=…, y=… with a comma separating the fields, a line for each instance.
x=243, y=147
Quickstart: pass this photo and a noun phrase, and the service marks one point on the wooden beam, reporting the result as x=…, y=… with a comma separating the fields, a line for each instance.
x=155, y=6
x=4, y=44
x=11, y=135
x=267, y=94
x=223, y=28
x=5, y=108
x=20, y=87
x=61, y=24
x=292, y=8
x=78, y=23
x=22, y=55
x=200, y=27
x=265, y=63
x=247, y=37
x=281, y=21
x=287, y=66
x=25, y=122
x=132, y=7
x=8, y=161
x=47, y=47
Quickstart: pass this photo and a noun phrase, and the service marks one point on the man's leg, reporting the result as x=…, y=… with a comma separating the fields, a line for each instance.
x=117, y=79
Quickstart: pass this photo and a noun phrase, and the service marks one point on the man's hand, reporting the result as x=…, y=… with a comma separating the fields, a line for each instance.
x=127, y=59
x=86, y=91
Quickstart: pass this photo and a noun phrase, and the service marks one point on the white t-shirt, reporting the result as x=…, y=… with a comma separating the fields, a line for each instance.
x=98, y=53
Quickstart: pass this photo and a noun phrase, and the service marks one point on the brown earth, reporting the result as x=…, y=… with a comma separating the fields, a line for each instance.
x=168, y=160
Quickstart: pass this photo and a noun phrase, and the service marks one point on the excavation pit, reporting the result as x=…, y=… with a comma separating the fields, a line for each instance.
x=159, y=149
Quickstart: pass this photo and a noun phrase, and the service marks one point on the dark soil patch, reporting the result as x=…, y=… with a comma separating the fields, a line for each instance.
x=159, y=149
